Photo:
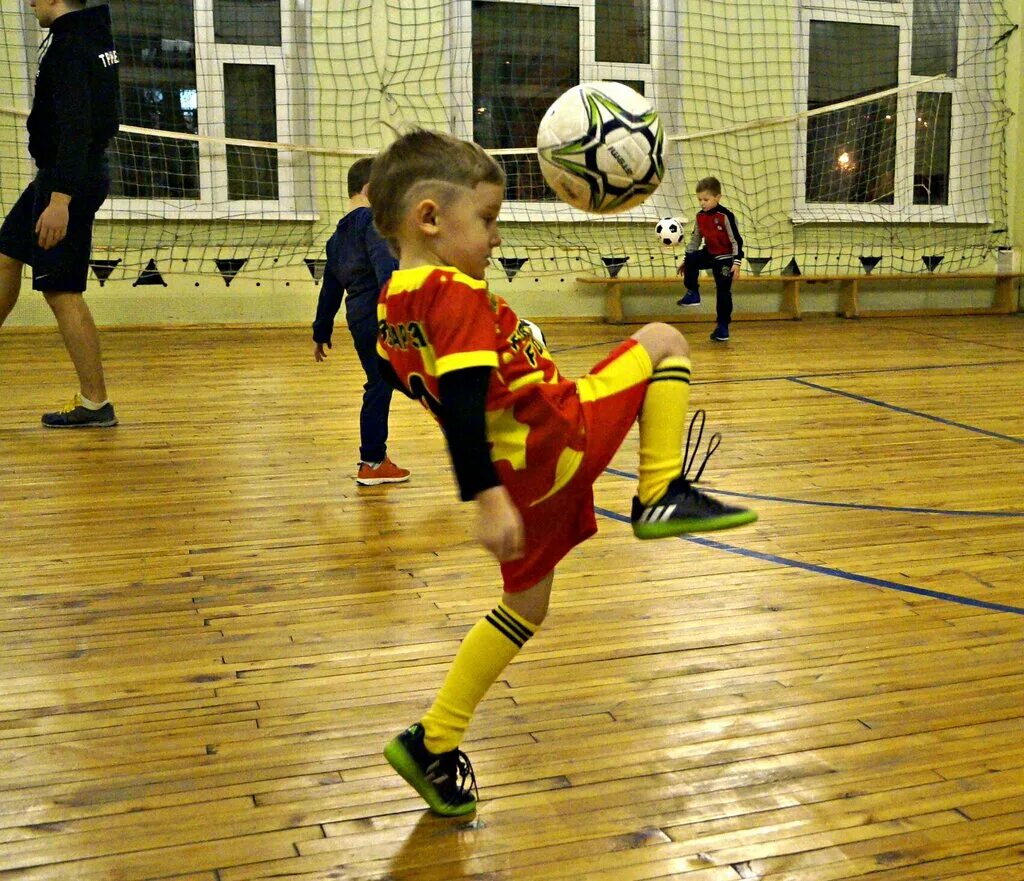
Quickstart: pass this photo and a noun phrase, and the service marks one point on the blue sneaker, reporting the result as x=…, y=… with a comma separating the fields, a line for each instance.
x=77, y=415
x=720, y=334
x=690, y=298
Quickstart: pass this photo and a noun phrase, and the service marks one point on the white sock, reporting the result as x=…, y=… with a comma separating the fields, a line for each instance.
x=373, y=465
x=92, y=405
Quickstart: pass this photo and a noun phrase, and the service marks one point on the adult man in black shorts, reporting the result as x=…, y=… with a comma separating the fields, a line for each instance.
x=74, y=115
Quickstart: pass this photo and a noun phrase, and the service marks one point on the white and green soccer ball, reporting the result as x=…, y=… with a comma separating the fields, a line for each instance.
x=600, y=147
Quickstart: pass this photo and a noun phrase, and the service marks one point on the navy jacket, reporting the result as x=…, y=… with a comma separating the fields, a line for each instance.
x=359, y=263
x=75, y=108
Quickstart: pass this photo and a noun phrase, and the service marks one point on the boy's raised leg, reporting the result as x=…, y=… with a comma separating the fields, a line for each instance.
x=667, y=503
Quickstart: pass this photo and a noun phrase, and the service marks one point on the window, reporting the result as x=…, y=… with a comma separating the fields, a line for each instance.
x=851, y=153
x=894, y=158
x=512, y=58
x=220, y=69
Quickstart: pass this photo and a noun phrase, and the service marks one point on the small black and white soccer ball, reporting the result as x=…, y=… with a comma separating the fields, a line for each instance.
x=669, y=231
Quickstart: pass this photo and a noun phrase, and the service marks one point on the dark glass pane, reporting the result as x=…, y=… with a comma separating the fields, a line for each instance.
x=851, y=153
x=524, y=56
x=158, y=91
x=931, y=148
x=250, y=113
x=622, y=31
x=247, y=22
x=635, y=85
x=933, y=47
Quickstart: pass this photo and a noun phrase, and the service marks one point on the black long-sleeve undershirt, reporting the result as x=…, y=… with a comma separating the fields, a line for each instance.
x=461, y=412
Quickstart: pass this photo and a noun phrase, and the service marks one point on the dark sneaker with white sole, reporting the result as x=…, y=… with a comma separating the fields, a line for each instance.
x=683, y=508
x=446, y=780
x=77, y=415
x=690, y=298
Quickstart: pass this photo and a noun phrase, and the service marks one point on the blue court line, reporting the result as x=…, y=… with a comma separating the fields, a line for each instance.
x=899, y=509
x=909, y=412
x=833, y=573
x=860, y=371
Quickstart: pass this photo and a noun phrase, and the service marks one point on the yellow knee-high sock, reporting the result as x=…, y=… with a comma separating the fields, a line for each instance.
x=661, y=427
x=487, y=650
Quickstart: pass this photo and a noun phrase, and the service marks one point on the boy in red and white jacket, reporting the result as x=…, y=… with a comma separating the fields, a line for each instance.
x=716, y=226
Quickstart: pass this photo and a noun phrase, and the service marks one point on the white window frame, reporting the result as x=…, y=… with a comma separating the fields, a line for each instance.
x=459, y=47
x=965, y=93
x=295, y=197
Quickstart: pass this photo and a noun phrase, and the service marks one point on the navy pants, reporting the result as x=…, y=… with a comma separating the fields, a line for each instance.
x=722, y=268
x=373, y=416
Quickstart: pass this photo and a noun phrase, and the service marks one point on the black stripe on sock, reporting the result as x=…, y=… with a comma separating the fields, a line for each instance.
x=666, y=376
x=664, y=371
x=509, y=628
x=524, y=631
x=511, y=637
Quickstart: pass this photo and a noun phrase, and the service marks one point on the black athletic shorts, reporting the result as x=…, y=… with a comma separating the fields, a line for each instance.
x=65, y=267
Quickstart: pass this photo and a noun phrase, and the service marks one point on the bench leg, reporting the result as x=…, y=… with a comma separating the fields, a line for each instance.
x=848, y=299
x=791, y=298
x=1006, y=297
x=613, y=305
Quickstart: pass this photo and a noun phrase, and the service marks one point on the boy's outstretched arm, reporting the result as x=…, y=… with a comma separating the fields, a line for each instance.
x=499, y=527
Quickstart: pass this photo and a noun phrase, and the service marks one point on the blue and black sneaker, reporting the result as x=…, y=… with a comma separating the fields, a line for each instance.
x=690, y=298
x=77, y=415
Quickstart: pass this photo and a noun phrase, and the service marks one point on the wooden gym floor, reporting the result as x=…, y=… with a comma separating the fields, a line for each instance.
x=209, y=632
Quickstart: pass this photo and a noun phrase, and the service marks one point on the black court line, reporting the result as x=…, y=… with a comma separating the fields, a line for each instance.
x=906, y=410
x=856, y=506
x=833, y=573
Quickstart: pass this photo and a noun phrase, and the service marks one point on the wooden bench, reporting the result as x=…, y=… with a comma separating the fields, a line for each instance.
x=1003, y=303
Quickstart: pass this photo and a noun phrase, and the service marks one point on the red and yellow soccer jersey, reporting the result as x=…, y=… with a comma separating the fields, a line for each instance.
x=434, y=320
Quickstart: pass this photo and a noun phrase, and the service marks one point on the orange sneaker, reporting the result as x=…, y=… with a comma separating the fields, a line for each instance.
x=386, y=472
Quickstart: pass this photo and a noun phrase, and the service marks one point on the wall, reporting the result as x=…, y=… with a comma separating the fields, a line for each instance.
x=277, y=287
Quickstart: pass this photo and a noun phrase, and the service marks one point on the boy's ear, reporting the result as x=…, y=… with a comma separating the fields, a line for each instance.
x=425, y=216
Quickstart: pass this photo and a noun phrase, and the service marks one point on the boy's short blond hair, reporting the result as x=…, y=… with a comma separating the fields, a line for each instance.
x=425, y=162
x=709, y=185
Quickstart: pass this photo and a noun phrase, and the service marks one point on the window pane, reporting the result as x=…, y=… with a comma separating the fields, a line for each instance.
x=622, y=31
x=158, y=91
x=933, y=49
x=635, y=85
x=524, y=56
x=931, y=148
x=851, y=153
x=252, y=22
x=250, y=113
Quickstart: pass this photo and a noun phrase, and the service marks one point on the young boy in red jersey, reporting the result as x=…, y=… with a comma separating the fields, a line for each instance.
x=722, y=253
x=526, y=444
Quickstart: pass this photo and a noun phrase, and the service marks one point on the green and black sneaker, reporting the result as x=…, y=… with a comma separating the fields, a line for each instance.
x=446, y=780
x=684, y=508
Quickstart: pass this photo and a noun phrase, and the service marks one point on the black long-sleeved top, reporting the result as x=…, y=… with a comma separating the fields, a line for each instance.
x=359, y=263
x=75, y=108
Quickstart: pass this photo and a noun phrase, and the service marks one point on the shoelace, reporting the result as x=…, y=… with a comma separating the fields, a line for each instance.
x=464, y=770
x=75, y=402
x=688, y=458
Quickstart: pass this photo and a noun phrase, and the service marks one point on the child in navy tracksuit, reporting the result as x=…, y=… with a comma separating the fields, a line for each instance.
x=722, y=253
x=360, y=264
